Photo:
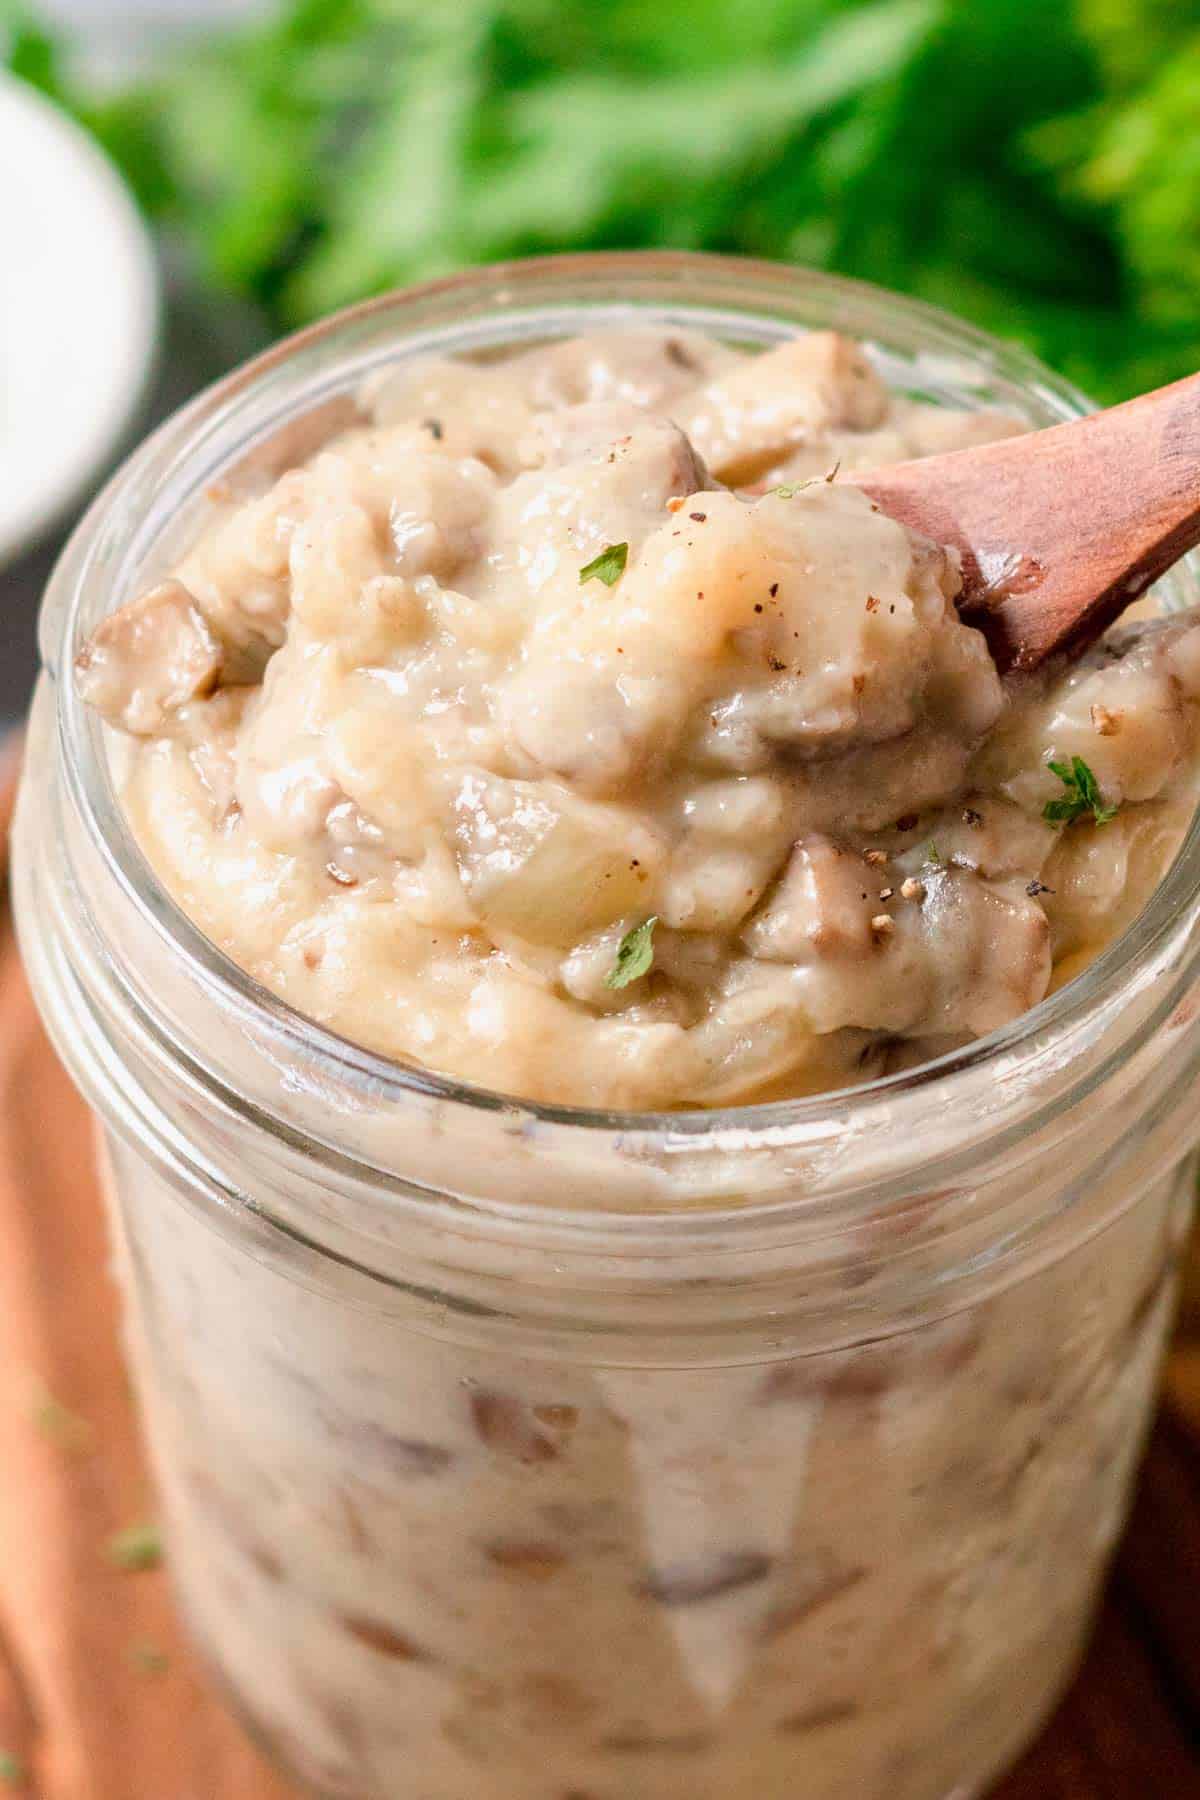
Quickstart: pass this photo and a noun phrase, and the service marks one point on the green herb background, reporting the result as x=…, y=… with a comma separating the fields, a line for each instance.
x=1032, y=164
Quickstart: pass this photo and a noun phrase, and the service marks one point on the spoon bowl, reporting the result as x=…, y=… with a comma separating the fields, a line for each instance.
x=1058, y=531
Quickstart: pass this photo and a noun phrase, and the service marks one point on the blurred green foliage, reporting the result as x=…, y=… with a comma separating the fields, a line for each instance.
x=1033, y=164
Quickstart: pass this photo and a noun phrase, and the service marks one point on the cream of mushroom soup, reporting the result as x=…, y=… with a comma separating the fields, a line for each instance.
x=602, y=644
x=568, y=722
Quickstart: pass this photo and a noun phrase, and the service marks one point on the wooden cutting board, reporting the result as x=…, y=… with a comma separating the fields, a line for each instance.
x=100, y=1696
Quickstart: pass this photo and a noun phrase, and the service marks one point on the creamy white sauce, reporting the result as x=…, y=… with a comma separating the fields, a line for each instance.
x=399, y=758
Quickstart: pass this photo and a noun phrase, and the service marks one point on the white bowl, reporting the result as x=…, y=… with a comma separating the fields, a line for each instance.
x=79, y=312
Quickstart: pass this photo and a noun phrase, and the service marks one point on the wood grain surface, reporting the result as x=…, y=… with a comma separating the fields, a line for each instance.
x=88, y=1712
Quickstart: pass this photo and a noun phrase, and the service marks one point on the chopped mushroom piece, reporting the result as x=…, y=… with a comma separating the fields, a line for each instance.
x=149, y=658
x=752, y=416
x=825, y=905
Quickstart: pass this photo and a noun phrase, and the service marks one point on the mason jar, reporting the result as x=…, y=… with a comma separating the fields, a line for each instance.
x=522, y=1452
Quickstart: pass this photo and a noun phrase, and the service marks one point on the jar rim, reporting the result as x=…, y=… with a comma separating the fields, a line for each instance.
x=88, y=563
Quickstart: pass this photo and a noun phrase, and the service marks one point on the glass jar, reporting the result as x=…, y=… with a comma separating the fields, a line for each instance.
x=538, y=1454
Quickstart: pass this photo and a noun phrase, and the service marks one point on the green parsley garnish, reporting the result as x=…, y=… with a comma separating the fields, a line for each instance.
x=789, y=492
x=148, y=1658
x=1082, y=795
x=137, y=1547
x=635, y=953
x=12, y=1769
x=58, y=1424
x=935, y=855
x=608, y=567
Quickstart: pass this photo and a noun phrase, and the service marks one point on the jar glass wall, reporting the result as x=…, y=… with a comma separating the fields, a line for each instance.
x=526, y=1452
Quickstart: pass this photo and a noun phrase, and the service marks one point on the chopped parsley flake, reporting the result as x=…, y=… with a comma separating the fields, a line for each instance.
x=59, y=1424
x=1082, y=795
x=608, y=567
x=148, y=1658
x=791, y=489
x=635, y=953
x=12, y=1769
x=137, y=1547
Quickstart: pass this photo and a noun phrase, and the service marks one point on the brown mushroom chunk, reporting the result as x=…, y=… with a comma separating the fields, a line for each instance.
x=823, y=905
x=986, y=947
x=642, y=462
x=768, y=405
x=505, y=1425
x=148, y=659
x=527, y=1558
x=384, y=1639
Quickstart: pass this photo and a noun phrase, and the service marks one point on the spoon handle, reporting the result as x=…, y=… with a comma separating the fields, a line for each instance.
x=1060, y=530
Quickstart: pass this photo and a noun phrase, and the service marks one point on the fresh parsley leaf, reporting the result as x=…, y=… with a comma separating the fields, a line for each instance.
x=148, y=1658
x=1082, y=795
x=13, y=1772
x=789, y=490
x=59, y=1425
x=137, y=1547
x=608, y=567
x=635, y=953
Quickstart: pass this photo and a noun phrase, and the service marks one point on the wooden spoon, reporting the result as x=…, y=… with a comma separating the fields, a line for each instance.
x=1059, y=530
